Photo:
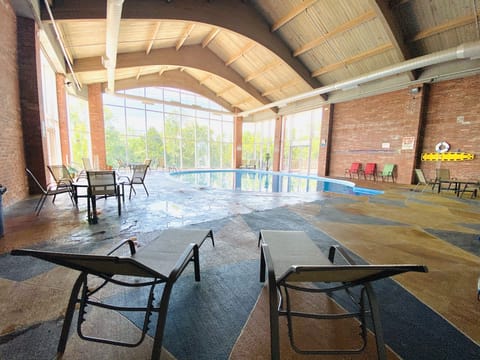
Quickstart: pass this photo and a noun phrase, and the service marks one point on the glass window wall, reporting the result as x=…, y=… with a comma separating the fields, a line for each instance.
x=173, y=136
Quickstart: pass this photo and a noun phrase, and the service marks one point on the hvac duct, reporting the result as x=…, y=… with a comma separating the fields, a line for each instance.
x=464, y=51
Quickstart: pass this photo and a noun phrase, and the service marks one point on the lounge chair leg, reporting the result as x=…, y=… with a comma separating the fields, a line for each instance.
x=162, y=317
x=67, y=322
x=377, y=325
x=274, y=331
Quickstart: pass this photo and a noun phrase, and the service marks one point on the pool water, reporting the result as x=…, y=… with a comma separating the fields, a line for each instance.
x=268, y=181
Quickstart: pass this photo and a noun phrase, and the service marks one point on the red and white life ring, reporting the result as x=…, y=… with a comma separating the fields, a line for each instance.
x=442, y=147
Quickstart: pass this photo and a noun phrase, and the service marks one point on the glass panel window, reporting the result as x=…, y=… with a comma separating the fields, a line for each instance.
x=164, y=130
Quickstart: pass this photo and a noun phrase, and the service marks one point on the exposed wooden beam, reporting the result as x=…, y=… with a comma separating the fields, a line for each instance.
x=239, y=16
x=242, y=52
x=175, y=79
x=264, y=69
x=154, y=36
x=390, y=22
x=184, y=36
x=205, y=79
x=366, y=54
x=369, y=15
x=452, y=24
x=211, y=35
x=139, y=72
x=292, y=14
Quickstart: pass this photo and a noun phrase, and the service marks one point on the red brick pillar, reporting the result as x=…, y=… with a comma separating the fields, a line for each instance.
x=31, y=109
x=277, y=143
x=63, y=119
x=97, y=127
x=237, y=141
x=325, y=140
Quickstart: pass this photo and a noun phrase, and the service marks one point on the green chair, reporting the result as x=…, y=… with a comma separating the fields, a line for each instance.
x=389, y=171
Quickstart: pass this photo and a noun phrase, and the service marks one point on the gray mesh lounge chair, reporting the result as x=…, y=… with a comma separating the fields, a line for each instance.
x=161, y=261
x=290, y=258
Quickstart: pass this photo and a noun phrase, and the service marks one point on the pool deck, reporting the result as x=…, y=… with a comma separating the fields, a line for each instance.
x=400, y=226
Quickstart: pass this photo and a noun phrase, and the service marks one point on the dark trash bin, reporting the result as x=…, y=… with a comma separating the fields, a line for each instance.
x=3, y=190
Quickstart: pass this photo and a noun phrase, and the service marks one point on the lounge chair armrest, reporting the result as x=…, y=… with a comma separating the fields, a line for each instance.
x=130, y=243
x=183, y=260
x=336, y=248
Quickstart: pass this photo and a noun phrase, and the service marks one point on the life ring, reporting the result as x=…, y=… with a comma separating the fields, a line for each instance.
x=442, y=147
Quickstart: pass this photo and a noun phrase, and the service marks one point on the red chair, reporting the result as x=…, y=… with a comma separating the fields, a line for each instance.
x=370, y=171
x=355, y=169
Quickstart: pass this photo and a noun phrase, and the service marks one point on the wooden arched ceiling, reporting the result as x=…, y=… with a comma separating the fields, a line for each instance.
x=246, y=54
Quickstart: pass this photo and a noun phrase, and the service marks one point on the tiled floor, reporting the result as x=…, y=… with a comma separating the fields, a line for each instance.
x=438, y=230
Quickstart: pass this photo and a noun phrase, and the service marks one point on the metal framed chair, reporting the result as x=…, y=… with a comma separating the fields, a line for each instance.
x=158, y=265
x=291, y=262
x=389, y=172
x=370, y=171
x=60, y=175
x=138, y=177
x=422, y=180
x=355, y=169
x=102, y=184
x=51, y=190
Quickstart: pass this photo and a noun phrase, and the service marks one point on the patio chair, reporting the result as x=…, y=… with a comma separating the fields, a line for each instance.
x=389, y=172
x=138, y=177
x=355, y=169
x=60, y=175
x=295, y=264
x=422, y=181
x=102, y=184
x=442, y=175
x=370, y=171
x=161, y=261
x=51, y=190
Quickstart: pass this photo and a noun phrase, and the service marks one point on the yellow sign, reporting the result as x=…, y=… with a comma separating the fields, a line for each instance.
x=448, y=156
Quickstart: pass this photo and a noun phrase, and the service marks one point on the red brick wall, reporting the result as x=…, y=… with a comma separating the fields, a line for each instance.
x=12, y=163
x=33, y=124
x=97, y=125
x=325, y=141
x=453, y=115
x=360, y=127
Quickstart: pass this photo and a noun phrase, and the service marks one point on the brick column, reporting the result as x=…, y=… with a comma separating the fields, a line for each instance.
x=63, y=119
x=325, y=140
x=33, y=123
x=97, y=126
x=237, y=141
x=277, y=143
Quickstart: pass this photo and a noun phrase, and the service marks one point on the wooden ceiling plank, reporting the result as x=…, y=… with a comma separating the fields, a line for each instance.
x=361, y=56
x=154, y=36
x=264, y=69
x=184, y=36
x=242, y=51
x=449, y=25
x=292, y=14
x=224, y=91
x=369, y=15
x=280, y=88
x=209, y=38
